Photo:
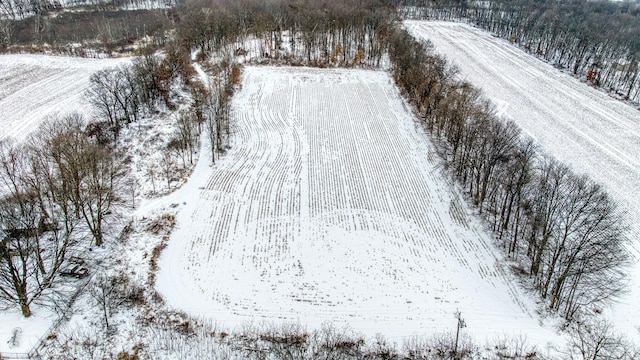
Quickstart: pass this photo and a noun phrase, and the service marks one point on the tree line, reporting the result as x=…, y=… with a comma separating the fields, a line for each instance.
x=21, y=9
x=121, y=96
x=346, y=33
x=297, y=32
x=213, y=104
x=85, y=33
x=594, y=40
x=561, y=227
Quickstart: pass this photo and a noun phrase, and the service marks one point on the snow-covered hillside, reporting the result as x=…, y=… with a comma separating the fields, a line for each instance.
x=579, y=125
x=35, y=86
x=330, y=206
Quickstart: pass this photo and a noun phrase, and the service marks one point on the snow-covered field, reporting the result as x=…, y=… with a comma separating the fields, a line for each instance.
x=33, y=87
x=330, y=207
x=581, y=126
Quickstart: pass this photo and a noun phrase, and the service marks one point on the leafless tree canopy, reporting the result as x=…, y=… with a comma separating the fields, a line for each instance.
x=346, y=33
x=55, y=187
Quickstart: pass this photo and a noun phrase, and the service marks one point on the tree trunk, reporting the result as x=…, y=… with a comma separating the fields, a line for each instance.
x=24, y=303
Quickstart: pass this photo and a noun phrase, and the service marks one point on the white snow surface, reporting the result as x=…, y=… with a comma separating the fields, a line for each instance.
x=33, y=87
x=27, y=331
x=579, y=125
x=330, y=206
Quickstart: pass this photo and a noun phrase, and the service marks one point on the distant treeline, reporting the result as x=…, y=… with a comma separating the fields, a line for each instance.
x=298, y=32
x=595, y=40
x=81, y=33
x=22, y=9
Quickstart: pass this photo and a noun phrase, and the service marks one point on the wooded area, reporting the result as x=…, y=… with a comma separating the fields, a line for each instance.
x=21, y=9
x=57, y=186
x=309, y=33
x=84, y=32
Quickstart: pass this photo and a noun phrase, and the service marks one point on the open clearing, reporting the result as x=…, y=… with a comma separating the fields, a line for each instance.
x=35, y=86
x=330, y=207
x=579, y=125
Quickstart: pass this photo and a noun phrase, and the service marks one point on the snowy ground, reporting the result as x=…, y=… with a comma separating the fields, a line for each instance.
x=579, y=125
x=26, y=332
x=35, y=86
x=330, y=207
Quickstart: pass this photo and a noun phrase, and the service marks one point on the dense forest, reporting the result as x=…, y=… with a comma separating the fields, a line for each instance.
x=594, y=40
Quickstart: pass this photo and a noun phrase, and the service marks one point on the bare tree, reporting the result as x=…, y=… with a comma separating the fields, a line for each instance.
x=35, y=231
x=104, y=94
x=598, y=341
x=6, y=33
x=184, y=140
x=120, y=95
x=167, y=167
x=102, y=188
x=218, y=112
x=109, y=294
x=92, y=174
x=576, y=240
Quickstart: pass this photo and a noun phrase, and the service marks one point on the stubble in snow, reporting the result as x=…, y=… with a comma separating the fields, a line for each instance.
x=330, y=207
